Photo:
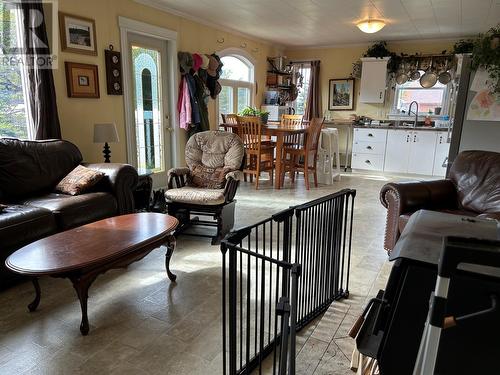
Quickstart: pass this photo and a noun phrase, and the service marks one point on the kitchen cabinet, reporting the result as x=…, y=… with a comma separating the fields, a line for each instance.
x=441, y=155
x=373, y=80
x=422, y=150
x=397, y=151
x=368, y=150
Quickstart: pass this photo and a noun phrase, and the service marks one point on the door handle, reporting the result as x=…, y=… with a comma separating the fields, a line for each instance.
x=407, y=138
x=414, y=138
x=380, y=96
x=170, y=129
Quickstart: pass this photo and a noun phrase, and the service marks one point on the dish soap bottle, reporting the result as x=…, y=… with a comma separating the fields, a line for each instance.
x=427, y=121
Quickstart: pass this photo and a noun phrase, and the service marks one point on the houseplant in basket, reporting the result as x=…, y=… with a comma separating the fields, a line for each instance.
x=249, y=111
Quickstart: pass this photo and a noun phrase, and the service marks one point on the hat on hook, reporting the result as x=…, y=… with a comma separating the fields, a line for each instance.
x=205, y=61
x=185, y=62
x=197, y=61
x=212, y=66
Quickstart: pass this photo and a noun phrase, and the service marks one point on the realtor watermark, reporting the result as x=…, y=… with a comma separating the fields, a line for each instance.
x=28, y=35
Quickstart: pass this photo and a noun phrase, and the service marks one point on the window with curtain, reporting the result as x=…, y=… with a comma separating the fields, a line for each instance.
x=237, y=85
x=302, y=81
x=13, y=116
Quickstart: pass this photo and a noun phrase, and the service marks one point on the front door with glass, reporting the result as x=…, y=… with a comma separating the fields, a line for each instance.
x=151, y=128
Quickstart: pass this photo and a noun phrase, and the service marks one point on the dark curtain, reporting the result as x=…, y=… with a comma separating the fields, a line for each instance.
x=41, y=99
x=313, y=107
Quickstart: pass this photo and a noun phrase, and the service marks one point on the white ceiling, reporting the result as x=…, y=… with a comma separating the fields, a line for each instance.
x=331, y=22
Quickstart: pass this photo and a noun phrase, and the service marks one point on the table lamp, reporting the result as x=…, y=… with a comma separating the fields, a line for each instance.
x=104, y=133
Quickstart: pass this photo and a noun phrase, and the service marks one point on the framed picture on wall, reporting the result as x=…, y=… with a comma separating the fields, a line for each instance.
x=341, y=94
x=78, y=34
x=82, y=80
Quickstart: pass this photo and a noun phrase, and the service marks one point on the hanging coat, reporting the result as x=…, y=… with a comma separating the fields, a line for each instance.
x=184, y=105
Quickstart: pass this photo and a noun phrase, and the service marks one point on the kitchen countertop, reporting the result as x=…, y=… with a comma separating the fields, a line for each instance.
x=426, y=128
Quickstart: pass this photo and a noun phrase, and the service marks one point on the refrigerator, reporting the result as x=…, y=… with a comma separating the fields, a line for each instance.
x=473, y=129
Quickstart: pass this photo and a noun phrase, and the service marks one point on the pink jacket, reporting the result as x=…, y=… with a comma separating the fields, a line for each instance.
x=184, y=105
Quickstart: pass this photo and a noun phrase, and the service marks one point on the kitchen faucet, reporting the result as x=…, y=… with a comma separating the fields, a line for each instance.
x=416, y=113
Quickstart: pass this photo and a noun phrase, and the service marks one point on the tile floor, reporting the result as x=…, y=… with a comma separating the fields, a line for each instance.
x=143, y=324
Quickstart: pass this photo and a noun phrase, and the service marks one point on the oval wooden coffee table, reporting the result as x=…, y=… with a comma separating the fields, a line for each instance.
x=82, y=253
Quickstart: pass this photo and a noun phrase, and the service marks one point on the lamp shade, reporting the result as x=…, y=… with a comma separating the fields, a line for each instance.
x=105, y=133
x=371, y=26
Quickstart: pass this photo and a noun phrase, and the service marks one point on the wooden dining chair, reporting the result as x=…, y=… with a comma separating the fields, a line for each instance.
x=259, y=156
x=229, y=118
x=292, y=121
x=303, y=157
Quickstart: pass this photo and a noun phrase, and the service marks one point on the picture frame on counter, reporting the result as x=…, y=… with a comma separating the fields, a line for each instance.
x=78, y=34
x=341, y=94
x=82, y=80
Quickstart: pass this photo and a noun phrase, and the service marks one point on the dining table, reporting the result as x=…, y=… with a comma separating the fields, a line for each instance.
x=279, y=132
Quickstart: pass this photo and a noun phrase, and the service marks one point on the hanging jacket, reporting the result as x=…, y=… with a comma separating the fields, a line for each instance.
x=184, y=105
x=195, y=106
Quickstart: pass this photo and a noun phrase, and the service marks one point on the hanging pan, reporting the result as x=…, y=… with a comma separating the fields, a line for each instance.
x=429, y=78
x=445, y=77
x=415, y=73
x=402, y=76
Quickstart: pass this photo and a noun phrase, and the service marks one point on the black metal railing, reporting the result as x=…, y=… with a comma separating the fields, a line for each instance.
x=280, y=274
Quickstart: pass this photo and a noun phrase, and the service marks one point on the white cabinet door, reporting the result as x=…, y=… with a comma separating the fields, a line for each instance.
x=422, y=151
x=373, y=80
x=441, y=157
x=397, y=151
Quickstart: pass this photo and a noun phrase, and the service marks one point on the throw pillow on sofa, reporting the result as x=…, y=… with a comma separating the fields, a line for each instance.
x=209, y=178
x=79, y=180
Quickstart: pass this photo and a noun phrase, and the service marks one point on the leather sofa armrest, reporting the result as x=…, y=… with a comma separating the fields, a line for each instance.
x=121, y=180
x=408, y=197
x=177, y=177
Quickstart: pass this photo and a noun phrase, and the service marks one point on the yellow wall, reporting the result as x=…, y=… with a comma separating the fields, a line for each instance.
x=337, y=63
x=78, y=116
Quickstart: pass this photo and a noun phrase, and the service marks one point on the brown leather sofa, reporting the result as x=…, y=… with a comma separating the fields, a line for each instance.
x=29, y=171
x=472, y=188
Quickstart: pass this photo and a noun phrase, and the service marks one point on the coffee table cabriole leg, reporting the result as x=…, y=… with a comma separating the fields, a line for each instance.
x=170, y=245
x=34, y=304
x=82, y=284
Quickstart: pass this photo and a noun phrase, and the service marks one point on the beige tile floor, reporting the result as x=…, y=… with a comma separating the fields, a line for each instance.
x=143, y=324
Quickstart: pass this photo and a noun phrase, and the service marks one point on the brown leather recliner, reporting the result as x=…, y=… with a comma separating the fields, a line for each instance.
x=472, y=188
x=29, y=172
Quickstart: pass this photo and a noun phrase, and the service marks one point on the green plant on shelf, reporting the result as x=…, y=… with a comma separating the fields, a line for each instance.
x=486, y=55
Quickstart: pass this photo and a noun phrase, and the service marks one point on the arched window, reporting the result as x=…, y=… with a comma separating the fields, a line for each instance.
x=237, y=81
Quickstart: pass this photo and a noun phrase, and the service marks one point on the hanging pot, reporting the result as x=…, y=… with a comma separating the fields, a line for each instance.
x=415, y=74
x=445, y=77
x=401, y=78
x=429, y=78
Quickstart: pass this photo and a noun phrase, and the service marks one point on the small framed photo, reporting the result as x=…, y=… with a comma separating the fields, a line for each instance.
x=78, y=34
x=82, y=80
x=341, y=94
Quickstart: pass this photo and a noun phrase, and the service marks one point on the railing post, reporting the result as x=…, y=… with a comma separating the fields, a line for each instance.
x=296, y=269
x=232, y=310
x=283, y=309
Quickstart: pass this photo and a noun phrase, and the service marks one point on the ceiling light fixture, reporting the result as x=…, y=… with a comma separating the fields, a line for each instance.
x=371, y=26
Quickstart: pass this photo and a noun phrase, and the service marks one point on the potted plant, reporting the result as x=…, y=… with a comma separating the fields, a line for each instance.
x=486, y=55
x=249, y=111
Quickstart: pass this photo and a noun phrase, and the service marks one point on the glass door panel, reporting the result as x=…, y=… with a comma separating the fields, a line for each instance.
x=146, y=65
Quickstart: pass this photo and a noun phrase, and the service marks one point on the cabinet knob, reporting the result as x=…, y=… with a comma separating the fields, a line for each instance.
x=368, y=162
x=407, y=138
x=414, y=138
x=369, y=148
x=370, y=135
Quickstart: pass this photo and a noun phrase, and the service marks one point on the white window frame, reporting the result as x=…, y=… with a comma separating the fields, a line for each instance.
x=445, y=104
x=249, y=61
